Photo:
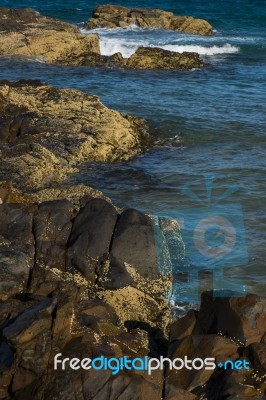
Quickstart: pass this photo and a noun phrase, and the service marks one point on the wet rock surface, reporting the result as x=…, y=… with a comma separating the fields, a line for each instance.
x=110, y=16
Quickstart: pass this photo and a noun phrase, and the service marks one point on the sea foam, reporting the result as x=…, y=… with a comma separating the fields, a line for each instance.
x=127, y=47
x=126, y=41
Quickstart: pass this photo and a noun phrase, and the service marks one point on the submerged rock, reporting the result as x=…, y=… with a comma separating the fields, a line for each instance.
x=45, y=133
x=110, y=16
x=24, y=32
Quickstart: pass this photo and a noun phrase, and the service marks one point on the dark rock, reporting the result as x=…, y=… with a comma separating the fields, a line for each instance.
x=6, y=357
x=133, y=244
x=90, y=238
x=16, y=249
x=256, y=353
x=236, y=384
x=202, y=346
x=62, y=312
x=241, y=318
x=183, y=327
x=52, y=227
x=18, y=332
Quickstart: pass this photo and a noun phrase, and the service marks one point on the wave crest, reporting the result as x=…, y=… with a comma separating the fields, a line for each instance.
x=111, y=46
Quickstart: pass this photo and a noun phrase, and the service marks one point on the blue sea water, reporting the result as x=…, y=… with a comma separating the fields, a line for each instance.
x=207, y=121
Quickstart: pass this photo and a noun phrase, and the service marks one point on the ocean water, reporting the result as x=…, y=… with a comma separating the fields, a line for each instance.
x=208, y=121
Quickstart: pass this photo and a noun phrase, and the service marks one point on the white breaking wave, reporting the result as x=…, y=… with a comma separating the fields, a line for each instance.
x=204, y=50
x=127, y=47
x=127, y=41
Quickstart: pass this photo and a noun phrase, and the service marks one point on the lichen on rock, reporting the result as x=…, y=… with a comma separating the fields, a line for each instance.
x=45, y=133
x=24, y=32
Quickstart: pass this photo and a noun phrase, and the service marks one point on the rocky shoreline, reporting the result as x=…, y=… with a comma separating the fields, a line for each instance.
x=45, y=133
x=75, y=281
x=26, y=33
x=110, y=16
x=79, y=276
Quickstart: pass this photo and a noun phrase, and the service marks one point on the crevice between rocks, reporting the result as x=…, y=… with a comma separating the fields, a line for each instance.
x=35, y=251
x=99, y=268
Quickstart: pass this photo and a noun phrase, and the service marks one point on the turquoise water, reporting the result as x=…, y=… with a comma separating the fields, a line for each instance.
x=206, y=121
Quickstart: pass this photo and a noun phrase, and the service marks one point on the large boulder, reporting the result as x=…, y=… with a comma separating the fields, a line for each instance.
x=110, y=16
x=90, y=238
x=62, y=292
x=16, y=249
x=24, y=32
x=83, y=243
x=46, y=132
x=242, y=319
x=219, y=331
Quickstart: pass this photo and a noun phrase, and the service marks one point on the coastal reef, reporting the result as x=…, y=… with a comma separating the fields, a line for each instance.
x=111, y=16
x=46, y=132
x=27, y=34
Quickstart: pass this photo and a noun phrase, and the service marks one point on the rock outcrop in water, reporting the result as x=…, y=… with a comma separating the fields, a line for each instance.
x=46, y=132
x=110, y=16
x=24, y=32
x=147, y=58
x=156, y=58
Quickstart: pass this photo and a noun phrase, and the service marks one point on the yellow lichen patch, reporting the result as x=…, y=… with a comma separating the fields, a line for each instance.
x=131, y=304
x=155, y=287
